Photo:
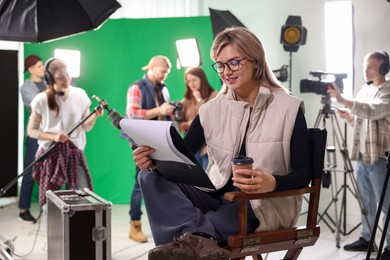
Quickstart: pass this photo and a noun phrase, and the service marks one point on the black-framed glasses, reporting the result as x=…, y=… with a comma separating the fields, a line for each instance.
x=233, y=65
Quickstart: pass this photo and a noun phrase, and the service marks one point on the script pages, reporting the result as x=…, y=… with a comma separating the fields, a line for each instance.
x=172, y=157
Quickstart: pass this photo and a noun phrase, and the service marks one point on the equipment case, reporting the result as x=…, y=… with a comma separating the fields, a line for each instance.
x=78, y=225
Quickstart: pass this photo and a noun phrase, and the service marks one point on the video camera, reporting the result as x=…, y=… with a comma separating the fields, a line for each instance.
x=178, y=111
x=321, y=85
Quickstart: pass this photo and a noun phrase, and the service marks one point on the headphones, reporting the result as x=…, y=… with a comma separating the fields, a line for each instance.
x=385, y=67
x=48, y=76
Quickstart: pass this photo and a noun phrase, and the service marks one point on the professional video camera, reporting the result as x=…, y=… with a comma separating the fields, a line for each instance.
x=321, y=85
x=178, y=111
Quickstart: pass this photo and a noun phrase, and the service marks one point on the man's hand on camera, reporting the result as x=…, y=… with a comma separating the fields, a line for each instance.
x=335, y=92
x=166, y=109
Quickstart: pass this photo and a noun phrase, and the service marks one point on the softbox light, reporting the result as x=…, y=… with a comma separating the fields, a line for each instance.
x=293, y=34
x=223, y=19
x=188, y=53
x=43, y=20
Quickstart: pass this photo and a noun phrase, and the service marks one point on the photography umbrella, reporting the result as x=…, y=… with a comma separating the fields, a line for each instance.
x=44, y=20
x=223, y=19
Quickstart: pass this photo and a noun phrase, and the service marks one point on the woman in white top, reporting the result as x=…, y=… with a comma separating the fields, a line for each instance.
x=55, y=113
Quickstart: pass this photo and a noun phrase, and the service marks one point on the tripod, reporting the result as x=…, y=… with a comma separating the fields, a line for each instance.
x=340, y=218
x=378, y=213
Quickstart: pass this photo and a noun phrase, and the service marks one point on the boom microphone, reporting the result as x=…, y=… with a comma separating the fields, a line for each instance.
x=115, y=118
x=101, y=102
x=113, y=115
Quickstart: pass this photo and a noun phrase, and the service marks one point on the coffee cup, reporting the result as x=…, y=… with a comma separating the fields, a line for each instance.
x=241, y=162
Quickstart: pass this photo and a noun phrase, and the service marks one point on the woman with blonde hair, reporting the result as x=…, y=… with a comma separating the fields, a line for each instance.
x=252, y=116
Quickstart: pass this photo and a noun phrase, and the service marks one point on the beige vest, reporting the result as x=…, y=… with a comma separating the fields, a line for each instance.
x=271, y=124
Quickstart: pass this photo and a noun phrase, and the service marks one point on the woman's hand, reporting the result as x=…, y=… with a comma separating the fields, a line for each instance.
x=141, y=157
x=60, y=138
x=254, y=181
x=99, y=111
x=197, y=96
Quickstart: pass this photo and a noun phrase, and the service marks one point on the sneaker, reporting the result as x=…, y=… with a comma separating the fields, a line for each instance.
x=385, y=255
x=26, y=217
x=189, y=247
x=359, y=245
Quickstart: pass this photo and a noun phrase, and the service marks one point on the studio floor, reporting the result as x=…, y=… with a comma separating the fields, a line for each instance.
x=30, y=241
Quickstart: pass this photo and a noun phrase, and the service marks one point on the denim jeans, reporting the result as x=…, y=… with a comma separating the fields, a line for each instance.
x=136, y=199
x=370, y=180
x=28, y=181
x=174, y=209
x=202, y=159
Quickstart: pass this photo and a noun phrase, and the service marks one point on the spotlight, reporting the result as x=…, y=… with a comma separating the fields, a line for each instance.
x=293, y=34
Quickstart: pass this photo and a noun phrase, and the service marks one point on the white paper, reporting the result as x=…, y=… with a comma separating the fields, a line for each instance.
x=155, y=134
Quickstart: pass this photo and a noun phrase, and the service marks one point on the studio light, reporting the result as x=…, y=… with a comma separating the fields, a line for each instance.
x=293, y=34
x=71, y=59
x=188, y=53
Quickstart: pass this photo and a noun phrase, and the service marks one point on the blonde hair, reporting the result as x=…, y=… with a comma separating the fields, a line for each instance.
x=251, y=48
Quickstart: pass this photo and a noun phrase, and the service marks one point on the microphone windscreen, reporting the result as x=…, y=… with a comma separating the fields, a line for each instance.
x=115, y=118
x=369, y=82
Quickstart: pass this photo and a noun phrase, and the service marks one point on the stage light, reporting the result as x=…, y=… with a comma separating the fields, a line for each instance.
x=293, y=34
x=188, y=53
x=71, y=59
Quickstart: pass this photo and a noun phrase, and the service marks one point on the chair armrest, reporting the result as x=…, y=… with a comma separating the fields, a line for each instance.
x=237, y=196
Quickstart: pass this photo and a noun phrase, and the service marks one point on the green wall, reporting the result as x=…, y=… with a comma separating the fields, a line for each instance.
x=111, y=59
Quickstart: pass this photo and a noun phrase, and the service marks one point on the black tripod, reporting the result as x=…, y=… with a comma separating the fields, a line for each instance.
x=377, y=216
x=338, y=141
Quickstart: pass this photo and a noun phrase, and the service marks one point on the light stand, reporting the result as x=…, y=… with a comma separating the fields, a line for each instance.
x=290, y=73
x=6, y=249
x=325, y=113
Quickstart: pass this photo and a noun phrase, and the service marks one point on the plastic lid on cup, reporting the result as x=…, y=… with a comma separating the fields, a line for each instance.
x=242, y=160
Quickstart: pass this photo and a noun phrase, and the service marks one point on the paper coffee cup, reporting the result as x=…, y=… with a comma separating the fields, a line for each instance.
x=241, y=162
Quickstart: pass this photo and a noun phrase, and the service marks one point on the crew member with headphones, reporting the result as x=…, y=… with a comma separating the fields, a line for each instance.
x=55, y=113
x=369, y=113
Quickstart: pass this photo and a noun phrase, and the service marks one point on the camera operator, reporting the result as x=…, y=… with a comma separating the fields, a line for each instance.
x=148, y=98
x=369, y=113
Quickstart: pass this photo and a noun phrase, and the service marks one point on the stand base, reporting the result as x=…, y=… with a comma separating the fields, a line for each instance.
x=5, y=202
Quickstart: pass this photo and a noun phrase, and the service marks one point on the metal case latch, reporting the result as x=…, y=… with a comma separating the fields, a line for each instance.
x=98, y=234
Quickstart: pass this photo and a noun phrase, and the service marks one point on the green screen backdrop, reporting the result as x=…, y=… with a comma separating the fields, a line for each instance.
x=111, y=59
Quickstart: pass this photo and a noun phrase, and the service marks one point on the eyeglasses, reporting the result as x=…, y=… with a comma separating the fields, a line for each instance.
x=233, y=65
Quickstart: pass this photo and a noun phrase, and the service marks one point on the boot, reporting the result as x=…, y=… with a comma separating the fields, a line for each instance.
x=136, y=233
x=189, y=247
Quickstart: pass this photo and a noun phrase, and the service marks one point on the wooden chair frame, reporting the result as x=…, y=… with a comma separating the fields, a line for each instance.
x=291, y=239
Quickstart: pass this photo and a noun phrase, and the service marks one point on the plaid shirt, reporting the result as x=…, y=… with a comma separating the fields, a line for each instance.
x=372, y=103
x=59, y=167
x=134, y=103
